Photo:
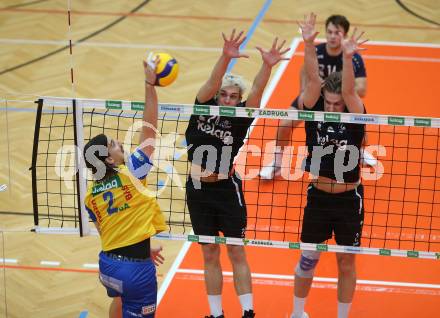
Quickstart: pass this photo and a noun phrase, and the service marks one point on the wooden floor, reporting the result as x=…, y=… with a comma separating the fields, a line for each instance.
x=108, y=65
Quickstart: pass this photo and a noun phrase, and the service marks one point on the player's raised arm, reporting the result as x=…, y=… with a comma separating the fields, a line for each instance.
x=231, y=49
x=351, y=98
x=149, y=126
x=270, y=59
x=312, y=88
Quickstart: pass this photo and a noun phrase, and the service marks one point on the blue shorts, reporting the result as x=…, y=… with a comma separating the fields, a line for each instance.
x=134, y=282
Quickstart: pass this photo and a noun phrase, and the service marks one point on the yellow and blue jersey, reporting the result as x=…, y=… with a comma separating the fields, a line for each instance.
x=120, y=205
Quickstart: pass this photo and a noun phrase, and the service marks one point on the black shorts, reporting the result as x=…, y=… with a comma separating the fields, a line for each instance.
x=217, y=207
x=328, y=213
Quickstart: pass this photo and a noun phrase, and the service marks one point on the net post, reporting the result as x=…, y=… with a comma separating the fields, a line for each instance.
x=33, y=168
x=81, y=180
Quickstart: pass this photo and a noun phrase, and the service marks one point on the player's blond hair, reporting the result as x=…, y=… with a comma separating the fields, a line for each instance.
x=230, y=79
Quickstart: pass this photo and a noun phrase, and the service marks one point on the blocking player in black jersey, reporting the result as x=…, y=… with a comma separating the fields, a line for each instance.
x=335, y=195
x=329, y=55
x=214, y=191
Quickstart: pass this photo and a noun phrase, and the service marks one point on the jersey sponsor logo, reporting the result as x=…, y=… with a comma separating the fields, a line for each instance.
x=113, y=183
x=127, y=192
x=96, y=211
x=330, y=134
x=123, y=207
x=273, y=113
x=217, y=127
x=148, y=309
x=225, y=124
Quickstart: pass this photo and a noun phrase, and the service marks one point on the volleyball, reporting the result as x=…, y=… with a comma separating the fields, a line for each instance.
x=167, y=69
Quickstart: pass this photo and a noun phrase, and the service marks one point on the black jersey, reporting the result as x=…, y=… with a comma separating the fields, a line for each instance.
x=214, y=141
x=329, y=64
x=340, y=137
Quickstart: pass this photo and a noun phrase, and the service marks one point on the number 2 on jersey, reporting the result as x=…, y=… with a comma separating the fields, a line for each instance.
x=109, y=196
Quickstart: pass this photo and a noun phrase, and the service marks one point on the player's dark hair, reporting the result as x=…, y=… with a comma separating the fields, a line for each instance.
x=98, y=161
x=338, y=20
x=333, y=83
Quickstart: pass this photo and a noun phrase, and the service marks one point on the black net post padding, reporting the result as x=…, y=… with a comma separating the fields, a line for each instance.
x=33, y=168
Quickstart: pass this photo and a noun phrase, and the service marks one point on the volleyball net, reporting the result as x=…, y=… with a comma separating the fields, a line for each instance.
x=402, y=192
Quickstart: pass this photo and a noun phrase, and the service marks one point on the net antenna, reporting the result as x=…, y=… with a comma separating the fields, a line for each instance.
x=81, y=170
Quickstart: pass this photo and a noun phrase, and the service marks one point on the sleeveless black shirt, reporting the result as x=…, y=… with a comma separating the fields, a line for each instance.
x=334, y=142
x=214, y=141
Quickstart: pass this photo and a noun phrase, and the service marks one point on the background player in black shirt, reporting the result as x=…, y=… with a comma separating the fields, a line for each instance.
x=214, y=191
x=335, y=195
x=329, y=55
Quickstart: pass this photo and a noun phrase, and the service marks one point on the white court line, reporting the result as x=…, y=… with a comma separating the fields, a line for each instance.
x=322, y=279
x=116, y=45
x=172, y=271
x=90, y=265
x=50, y=263
x=183, y=48
x=9, y=260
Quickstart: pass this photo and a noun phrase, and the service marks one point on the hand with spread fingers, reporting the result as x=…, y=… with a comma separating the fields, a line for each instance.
x=275, y=54
x=352, y=44
x=308, y=28
x=231, y=46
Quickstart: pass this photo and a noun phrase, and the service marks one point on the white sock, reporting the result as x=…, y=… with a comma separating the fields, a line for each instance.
x=298, y=306
x=246, y=302
x=278, y=159
x=215, y=305
x=343, y=309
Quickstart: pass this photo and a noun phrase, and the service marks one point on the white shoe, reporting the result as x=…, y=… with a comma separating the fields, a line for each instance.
x=270, y=171
x=304, y=315
x=367, y=158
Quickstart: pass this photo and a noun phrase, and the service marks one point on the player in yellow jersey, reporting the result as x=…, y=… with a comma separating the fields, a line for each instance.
x=125, y=216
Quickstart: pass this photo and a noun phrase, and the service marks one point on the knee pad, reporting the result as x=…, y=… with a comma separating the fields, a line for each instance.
x=307, y=263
